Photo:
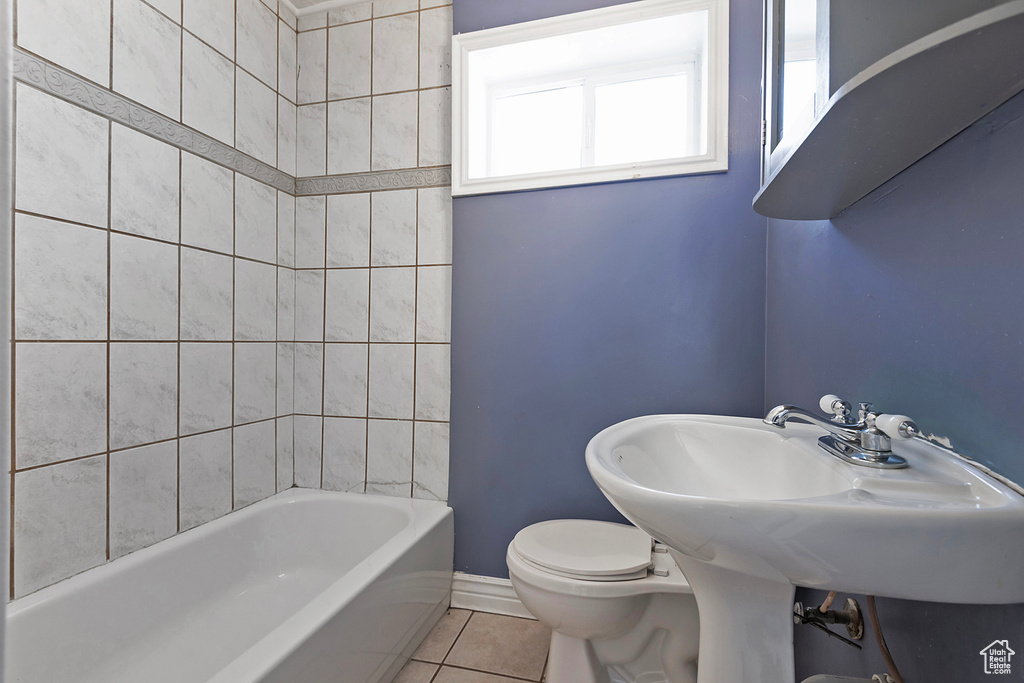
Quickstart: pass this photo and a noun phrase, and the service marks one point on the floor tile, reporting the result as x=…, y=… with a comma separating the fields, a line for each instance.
x=437, y=643
x=449, y=674
x=416, y=672
x=502, y=645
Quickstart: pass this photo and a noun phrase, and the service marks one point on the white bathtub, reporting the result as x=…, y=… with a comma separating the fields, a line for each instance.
x=306, y=586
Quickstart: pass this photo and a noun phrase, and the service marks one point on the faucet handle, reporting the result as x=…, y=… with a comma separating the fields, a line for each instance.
x=897, y=426
x=836, y=407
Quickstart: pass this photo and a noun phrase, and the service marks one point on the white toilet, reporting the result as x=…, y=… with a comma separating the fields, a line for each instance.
x=619, y=609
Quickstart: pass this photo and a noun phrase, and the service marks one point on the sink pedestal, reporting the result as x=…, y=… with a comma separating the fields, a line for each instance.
x=746, y=625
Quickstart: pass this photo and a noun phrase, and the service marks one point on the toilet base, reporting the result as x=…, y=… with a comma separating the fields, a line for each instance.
x=571, y=660
x=660, y=648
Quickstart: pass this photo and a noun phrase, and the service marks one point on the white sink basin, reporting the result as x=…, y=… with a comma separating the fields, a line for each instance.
x=752, y=510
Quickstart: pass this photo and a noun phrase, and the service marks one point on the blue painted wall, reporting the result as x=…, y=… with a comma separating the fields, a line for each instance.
x=576, y=308
x=912, y=298
x=928, y=274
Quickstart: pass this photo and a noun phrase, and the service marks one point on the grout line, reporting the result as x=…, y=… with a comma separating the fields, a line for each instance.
x=148, y=237
x=13, y=356
x=369, y=303
x=415, y=346
x=456, y=640
x=177, y=432
x=234, y=299
x=323, y=355
x=110, y=166
x=277, y=319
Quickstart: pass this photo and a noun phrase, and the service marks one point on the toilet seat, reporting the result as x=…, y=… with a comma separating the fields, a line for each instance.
x=585, y=550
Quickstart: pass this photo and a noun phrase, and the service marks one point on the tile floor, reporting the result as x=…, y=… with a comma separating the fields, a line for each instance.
x=477, y=647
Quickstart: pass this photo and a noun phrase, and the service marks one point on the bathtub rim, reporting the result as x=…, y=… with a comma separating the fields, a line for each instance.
x=422, y=517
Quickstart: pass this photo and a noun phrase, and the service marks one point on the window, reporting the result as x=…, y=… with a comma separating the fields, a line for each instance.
x=630, y=91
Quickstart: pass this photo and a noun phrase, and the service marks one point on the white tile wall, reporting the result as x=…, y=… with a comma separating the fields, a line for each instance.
x=348, y=230
x=348, y=310
x=207, y=204
x=344, y=454
x=287, y=120
x=430, y=461
x=394, y=122
x=255, y=467
x=169, y=294
x=73, y=34
x=348, y=136
x=350, y=13
x=255, y=301
x=143, y=496
x=285, y=453
x=435, y=128
x=143, y=393
x=125, y=302
x=60, y=284
x=393, y=216
x=310, y=227
x=255, y=382
x=60, y=402
x=255, y=117
x=59, y=524
x=345, y=380
x=256, y=29
x=255, y=219
x=309, y=305
x=436, y=47
x=143, y=289
x=392, y=374
x=389, y=457
x=204, y=478
x=312, y=52
x=348, y=51
x=388, y=253
x=213, y=22
x=309, y=365
x=207, y=90
x=144, y=184
x=393, y=315
x=207, y=295
x=147, y=57
x=61, y=153
x=206, y=387
x=395, y=58
x=311, y=140
x=308, y=438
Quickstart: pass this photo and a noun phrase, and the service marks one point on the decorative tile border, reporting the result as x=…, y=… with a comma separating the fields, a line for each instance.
x=374, y=181
x=67, y=86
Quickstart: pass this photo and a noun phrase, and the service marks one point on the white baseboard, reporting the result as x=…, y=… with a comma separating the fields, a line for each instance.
x=486, y=594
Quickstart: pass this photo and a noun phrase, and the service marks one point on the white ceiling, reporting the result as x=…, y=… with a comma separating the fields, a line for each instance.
x=305, y=7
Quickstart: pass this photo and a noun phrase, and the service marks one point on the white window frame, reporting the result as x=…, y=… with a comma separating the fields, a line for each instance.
x=714, y=160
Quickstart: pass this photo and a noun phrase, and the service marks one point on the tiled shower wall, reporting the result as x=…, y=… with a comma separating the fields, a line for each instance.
x=153, y=288
x=373, y=279
x=155, y=281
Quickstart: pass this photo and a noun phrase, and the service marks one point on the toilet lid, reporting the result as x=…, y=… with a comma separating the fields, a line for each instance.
x=601, y=551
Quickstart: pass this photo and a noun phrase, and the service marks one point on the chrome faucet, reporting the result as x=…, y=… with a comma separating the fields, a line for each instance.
x=866, y=440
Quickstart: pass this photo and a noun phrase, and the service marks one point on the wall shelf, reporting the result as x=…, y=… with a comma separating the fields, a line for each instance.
x=896, y=111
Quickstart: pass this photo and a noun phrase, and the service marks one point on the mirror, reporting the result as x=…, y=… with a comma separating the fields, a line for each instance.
x=799, y=66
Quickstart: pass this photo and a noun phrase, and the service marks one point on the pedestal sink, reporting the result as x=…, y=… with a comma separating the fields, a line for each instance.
x=750, y=511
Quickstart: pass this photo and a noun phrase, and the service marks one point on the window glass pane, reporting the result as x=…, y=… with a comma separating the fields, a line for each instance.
x=535, y=132
x=798, y=96
x=643, y=120
x=799, y=66
x=630, y=91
